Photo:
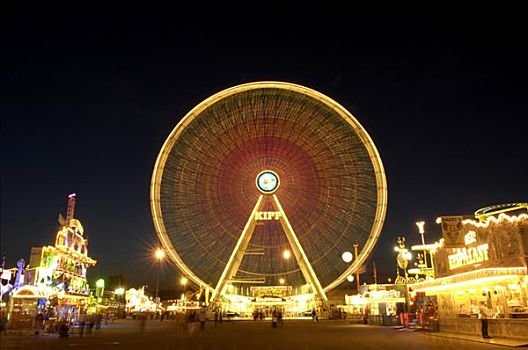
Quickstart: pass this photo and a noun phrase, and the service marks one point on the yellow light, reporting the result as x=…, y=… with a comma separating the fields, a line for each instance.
x=407, y=255
x=490, y=219
x=281, y=280
x=120, y=291
x=286, y=254
x=183, y=281
x=100, y=283
x=159, y=254
x=420, y=225
x=429, y=247
x=350, y=278
x=450, y=286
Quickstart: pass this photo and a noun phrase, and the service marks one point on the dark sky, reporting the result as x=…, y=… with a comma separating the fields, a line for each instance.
x=89, y=97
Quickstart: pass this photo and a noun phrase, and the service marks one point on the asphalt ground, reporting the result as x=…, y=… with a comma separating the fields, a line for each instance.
x=242, y=335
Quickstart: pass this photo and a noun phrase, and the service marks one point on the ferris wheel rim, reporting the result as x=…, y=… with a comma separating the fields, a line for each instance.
x=375, y=159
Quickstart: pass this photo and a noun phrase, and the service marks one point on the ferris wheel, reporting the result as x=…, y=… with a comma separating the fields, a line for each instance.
x=267, y=182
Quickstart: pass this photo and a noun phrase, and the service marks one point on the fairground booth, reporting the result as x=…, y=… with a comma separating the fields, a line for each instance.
x=480, y=264
x=376, y=304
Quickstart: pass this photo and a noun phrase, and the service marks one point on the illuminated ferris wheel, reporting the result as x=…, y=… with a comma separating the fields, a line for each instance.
x=267, y=182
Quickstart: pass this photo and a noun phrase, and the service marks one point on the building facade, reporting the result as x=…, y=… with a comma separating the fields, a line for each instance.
x=481, y=270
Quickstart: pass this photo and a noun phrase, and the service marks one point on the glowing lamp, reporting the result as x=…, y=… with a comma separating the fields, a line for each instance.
x=421, y=225
x=350, y=278
x=159, y=254
x=347, y=257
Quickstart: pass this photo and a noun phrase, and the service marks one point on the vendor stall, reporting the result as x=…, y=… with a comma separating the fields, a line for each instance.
x=481, y=265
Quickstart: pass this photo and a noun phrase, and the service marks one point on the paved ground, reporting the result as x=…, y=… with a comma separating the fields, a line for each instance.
x=244, y=335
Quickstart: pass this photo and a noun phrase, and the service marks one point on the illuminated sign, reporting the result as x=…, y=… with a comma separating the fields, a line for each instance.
x=267, y=215
x=470, y=237
x=468, y=256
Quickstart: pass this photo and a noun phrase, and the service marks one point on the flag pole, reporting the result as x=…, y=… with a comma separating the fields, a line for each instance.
x=375, y=272
x=357, y=271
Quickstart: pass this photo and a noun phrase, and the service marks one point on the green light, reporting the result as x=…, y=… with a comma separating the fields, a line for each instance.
x=100, y=283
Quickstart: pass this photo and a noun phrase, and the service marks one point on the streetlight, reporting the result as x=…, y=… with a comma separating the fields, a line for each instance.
x=183, y=282
x=347, y=257
x=99, y=288
x=403, y=258
x=357, y=270
x=159, y=254
x=421, y=231
x=119, y=292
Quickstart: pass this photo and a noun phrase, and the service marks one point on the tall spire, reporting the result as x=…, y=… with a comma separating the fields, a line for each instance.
x=71, y=207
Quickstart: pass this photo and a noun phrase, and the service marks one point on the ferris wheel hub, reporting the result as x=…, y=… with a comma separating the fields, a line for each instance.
x=267, y=182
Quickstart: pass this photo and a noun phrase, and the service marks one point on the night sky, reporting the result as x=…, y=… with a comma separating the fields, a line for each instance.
x=88, y=99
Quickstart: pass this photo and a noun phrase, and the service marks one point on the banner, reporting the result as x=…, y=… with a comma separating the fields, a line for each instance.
x=452, y=231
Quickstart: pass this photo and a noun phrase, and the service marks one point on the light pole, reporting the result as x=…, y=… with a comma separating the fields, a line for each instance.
x=183, y=282
x=159, y=255
x=357, y=270
x=348, y=257
x=403, y=258
x=119, y=292
x=421, y=231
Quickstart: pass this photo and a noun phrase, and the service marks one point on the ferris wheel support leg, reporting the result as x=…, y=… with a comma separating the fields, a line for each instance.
x=298, y=252
x=238, y=254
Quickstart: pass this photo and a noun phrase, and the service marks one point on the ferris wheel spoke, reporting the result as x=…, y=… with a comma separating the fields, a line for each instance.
x=304, y=264
x=237, y=255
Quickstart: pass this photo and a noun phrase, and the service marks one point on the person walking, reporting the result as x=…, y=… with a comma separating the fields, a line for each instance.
x=483, y=314
x=90, y=322
x=274, y=318
x=315, y=318
x=98, y=320
x=216, y=316
x=63, y=328
x=82, y=324
x=202, y=316
x=39, y=323
x=142, y=322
